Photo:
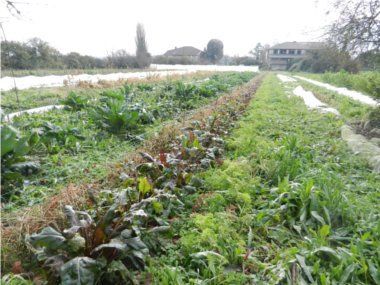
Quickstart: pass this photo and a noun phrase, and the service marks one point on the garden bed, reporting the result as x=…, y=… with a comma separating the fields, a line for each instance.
x=274, y=197
x=37, y=216
x=77, y=143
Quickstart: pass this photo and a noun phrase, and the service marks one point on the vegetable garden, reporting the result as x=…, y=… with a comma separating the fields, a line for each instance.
x=57, y=146
x=241, y=191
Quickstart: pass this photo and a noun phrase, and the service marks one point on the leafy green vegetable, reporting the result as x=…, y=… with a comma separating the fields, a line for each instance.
x=13, y=164
x=80, y=271
x=75, y=102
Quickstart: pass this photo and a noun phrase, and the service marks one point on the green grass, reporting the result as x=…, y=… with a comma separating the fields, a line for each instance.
x=291, y=205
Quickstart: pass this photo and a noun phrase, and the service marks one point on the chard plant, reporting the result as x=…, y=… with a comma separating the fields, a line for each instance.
x=75, y=102
x=119, y=239
x=115, y=116
x=55, y=138
x=14, y=163
x=106, y=251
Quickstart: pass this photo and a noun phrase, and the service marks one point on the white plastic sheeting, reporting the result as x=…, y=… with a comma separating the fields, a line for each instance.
x=361, y=146
x=8, y=83
x=9, y=117
x=312, y=102
x=194, y=68
x=343, y=91
x=285, y=78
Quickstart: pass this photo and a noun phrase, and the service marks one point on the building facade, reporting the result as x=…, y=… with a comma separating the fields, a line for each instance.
x=186, y=52
x=281, y=56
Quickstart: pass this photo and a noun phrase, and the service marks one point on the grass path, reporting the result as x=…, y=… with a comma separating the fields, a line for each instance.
x=291, y=204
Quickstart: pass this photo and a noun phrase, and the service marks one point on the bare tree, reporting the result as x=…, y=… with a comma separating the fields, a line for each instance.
x=12, y=8
x=256, y=52
x=143, y=57
x=358, y=27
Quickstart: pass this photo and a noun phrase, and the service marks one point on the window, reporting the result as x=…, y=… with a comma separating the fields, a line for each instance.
x=282, y=51
x=275, y=51
x=291, y=51
x=299, y=51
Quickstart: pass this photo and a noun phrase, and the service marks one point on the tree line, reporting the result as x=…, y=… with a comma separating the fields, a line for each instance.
x=352, y=43
x=38, y=54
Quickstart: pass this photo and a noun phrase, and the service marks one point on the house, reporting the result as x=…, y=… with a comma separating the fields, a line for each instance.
x=186, y=52
x=281, y=56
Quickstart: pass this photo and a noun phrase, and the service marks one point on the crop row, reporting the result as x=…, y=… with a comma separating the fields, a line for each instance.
x=54, y=147
x=115, y=236
x=290, y=205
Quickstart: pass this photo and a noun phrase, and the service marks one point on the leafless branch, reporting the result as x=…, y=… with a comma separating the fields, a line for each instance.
x=358, y=27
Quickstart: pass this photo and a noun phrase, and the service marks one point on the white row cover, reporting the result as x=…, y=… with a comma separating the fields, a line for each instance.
x=312, y=102
x=9, y=117
x=8, y=83
x=285, y=78
x=239, y=68
x=343, y=91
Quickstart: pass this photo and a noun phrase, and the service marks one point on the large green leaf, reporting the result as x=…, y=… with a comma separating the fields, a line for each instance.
x=123, y=244
x=347, y=273
x=144, y=185
x=21, y=147
x=208, y=253
x=27, y=167
x=8, y=139
x=114, y=244
x=71, y=215
x=80, y=271
x=374, y=271
x=117, y=273
x=137, y=244
x=74, y=217
x=48, y=238
x=132, y=119
x=305, y=268
x=324, y=250
x=13, y=178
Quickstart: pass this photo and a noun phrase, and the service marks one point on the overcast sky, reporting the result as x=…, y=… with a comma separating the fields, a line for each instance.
x=95, y=27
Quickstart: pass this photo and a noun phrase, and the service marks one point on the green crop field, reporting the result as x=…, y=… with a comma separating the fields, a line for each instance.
x=221, y=180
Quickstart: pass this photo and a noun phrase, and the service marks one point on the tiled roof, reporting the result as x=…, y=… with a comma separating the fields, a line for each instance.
x=298, y=45
x=183, y=51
